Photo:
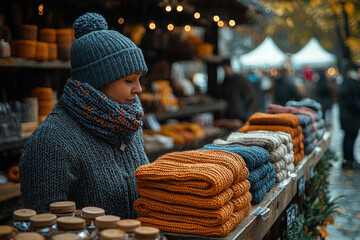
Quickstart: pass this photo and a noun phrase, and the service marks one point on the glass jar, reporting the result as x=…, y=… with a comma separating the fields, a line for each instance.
x=113, y=234
x=65, y=236
x=21, y=219
x=73, y=225
x=89, y=215
x=128, y=226
x=7, y=232
x=148, y=233
x=63, y=208
x=29, y=236
x=104, y=222
x=44, y=223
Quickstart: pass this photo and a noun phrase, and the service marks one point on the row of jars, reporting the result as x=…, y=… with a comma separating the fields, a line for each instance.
x=64, y=222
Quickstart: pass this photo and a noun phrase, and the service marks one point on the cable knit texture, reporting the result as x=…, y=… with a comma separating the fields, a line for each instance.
x=62, y=161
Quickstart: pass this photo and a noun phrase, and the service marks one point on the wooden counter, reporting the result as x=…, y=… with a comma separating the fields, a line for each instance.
x=277, y=200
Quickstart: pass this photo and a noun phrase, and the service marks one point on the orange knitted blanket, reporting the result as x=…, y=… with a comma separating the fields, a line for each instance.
x=198, y=172
x=283, y=119
x=185, y=214
x=197, y=229
x=213, y=202
x=292, y=131
x=298, y=156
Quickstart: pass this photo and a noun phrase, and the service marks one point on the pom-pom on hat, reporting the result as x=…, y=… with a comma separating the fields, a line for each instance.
x=100, y=56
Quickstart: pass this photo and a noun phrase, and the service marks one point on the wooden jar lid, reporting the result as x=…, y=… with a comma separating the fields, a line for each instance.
x=112, y=234
x=6, y=232
x=65, y=236
x=128, y=225
x=147, y=232
x=107, y=221
x=29, y=236
x=92, y=212
x=23, y=214
x=43, y=220
x=70, y=223
x=62, y=207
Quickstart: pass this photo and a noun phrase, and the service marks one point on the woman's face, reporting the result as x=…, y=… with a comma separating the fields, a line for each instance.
x=124, y=90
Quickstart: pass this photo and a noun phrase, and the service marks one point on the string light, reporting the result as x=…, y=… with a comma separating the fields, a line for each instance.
x=216, y=18
x=121, y=20
x=187, y=28
x=197, y=15
x=220, y=23
x=152, y=25
x=331, y=71
x=179, y=8
x=170, y=27
x=41, y=9
x=231, y=23
x=168, y=8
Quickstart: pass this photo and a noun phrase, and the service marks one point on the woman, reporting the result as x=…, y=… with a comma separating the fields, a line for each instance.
x=88, y=148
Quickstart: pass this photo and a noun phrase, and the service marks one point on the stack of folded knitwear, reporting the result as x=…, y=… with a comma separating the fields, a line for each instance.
x=283, y=122
x=200, y=192
x=261, y=170
x=317, y=108
x=277, y=144
x=307, y=119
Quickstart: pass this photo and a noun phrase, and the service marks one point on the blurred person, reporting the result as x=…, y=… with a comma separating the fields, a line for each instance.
x=285, y=88
x=324, y=93
x=239, y=93
x=349, y=104
x=266, y=85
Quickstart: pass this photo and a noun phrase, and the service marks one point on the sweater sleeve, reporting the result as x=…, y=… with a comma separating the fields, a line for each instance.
x=45, y=172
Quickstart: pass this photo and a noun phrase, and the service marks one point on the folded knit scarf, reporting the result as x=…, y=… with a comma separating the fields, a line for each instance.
x=283, y=119
x=305, y=120
x=191, y=200
x=253, y=156
x=100, y=114
x=185, y=214
x=258, y=196
x=259, y=173
x=309, y=139
x=279, y=166
x=308, y=130
x=309, y=103
x=197, y=229
x=284, y=137
x=278, y=153
x=274, y=108
x=252, y=139
x=298, y=157
x=256, y=185
x=281, y=175
x=292, y=131
x=202, y=179
x=309, y=148
x=231, y=161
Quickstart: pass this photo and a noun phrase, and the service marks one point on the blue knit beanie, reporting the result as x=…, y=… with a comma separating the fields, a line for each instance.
x=100, y=56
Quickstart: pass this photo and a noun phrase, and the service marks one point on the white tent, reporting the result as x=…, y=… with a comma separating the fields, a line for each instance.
x=266, y=55
x=313, y=55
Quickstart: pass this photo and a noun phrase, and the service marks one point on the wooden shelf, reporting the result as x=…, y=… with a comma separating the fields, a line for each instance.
x=12, y=143
x=9, y=191
x=14, y=62
x=277, y=200
x=191, y=110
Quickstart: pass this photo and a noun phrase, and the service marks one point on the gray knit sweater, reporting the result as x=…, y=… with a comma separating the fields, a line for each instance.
x=63, y=161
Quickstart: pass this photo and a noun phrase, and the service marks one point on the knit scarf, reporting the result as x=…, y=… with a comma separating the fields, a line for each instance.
x=100, y=114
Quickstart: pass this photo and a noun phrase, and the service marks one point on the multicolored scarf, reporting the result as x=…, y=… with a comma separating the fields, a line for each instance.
x=100, y=114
